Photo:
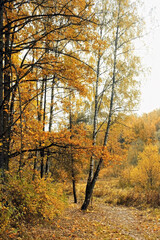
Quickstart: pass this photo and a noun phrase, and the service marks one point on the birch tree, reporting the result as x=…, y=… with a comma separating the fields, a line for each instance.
x=116, y=87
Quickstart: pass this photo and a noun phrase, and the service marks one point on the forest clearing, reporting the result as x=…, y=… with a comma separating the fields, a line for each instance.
x=76, y=161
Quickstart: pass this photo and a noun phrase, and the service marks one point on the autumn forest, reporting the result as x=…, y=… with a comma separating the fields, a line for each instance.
x=69, y=90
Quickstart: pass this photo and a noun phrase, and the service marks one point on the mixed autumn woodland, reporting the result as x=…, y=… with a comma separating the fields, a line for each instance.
x=69, y=90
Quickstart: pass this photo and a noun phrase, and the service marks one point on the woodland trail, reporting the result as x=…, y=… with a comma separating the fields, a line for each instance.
x=107, y=222
x=102, y=222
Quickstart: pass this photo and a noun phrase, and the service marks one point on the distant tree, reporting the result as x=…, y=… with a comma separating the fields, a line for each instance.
x=147, y=173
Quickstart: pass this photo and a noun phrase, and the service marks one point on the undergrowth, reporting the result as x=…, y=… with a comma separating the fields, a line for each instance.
x=110, y=191
x=24, y=201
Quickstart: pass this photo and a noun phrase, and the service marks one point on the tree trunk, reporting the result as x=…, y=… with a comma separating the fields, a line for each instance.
x=1, y=86
x=40, y=119
x=45, y=101
x=6, y=114
x=42, y=162
x=71, y=153
x=74, y=189
x=44, y=117
x=21, y=132
x=51, y=107
x=91, y=169
x=91, y=184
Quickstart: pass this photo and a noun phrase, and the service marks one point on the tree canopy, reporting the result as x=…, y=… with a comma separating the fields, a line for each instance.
x=68, y=76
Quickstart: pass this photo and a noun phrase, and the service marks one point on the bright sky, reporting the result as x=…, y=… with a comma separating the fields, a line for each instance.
x=150, y=98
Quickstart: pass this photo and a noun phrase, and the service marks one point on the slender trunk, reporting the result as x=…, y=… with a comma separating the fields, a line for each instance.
x=90, y=182
x=42, y=166
x=96, y=109
x=45, y=101
x=40, y=119
x=74, y=188
x=73, y=178
x=6, y=114
x=42, y=162
x=37, y=102
x=21, y=132
x=90, y=185
x=11, y=110
x=91, y=169
x=51, y=107
x=41, y=103
x=1, y=86
x=71, y=153
x=44, y=117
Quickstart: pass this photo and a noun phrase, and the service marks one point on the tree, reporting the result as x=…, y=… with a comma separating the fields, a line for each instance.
x=1, y=85
x=120, y=87
x=146, y=173
x=31, y=30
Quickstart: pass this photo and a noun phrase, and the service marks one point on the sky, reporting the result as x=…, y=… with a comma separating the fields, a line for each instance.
x=150, y=54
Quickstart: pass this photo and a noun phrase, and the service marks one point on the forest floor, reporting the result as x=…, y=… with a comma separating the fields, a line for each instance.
x=99, y=222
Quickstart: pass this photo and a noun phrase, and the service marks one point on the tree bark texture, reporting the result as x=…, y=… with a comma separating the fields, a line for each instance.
x=1, y=86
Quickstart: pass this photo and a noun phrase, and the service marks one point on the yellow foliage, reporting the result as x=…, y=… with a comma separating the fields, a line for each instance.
x=147, y=172
x=29, y=201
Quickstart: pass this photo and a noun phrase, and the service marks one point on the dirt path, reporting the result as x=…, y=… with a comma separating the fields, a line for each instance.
x=132, y=222
x=102, y=222
x=107, y=222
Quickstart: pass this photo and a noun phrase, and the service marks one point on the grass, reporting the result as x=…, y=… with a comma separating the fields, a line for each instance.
x=110, y=192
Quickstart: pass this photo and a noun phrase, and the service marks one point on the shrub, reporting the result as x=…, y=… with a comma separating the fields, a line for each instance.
x=29, y=201
x=125, y=177
x=147, y=172
x=144, y=178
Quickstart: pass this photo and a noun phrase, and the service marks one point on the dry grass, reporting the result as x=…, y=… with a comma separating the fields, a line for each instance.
x=110, y=192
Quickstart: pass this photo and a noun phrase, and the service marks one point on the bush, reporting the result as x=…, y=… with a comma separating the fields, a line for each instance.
x=144, y=178
x=125, y=177
x=29, y=201
x=147, y=172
